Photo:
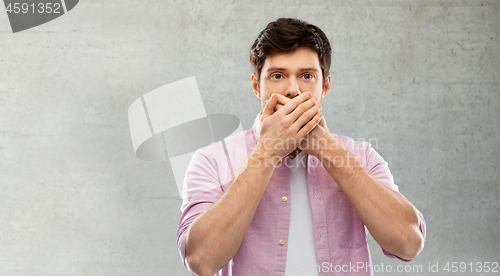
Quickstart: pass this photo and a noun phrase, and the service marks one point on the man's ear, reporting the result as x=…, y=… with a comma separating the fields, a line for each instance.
x=255, y=86
x=328, y=83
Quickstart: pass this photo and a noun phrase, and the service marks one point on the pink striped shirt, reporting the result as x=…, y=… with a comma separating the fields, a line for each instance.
x=339, y=234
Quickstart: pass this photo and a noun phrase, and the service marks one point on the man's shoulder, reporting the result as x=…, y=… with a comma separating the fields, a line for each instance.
x=223, y=158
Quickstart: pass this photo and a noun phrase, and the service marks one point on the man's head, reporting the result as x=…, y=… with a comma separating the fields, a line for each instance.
x=290, y=55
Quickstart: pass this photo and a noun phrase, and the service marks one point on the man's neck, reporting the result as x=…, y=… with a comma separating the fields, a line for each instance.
x=294, y=153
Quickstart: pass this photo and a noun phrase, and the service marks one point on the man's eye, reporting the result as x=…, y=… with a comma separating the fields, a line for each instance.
x=277, y=77
x=308, y=76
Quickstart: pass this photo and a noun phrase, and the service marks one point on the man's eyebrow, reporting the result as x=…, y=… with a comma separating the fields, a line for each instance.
x=275, y=69
x=313, y=69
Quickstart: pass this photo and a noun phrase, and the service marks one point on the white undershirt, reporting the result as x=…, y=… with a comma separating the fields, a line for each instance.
x=301, y=254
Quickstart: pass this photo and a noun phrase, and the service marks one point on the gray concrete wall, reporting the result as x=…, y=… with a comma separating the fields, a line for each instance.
x=421, y=78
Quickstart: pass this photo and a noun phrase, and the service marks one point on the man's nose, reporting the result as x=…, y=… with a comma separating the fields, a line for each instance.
x=292, y=90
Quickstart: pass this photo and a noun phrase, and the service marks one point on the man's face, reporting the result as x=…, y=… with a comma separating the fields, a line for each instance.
x=290, y=74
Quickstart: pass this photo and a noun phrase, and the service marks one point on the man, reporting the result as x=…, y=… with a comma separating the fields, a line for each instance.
x=311, y=216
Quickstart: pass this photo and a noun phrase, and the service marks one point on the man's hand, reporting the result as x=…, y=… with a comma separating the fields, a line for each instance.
x=282, y=130
x=318, y=140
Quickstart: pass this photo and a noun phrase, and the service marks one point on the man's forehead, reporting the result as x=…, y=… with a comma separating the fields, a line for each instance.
x=275, y=68
x=302, y=59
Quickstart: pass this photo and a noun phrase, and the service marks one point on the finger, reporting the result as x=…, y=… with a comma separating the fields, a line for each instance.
x=282, y=99
x=306, y=116
x=278, y=106
x=310, y=125
x=269, y=107
x=323, y=123
x=292, y=104
x=303, y=108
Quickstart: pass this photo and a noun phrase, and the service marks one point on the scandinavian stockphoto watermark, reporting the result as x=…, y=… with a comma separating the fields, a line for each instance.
x=170, y=124
x=321, y=146
x=26, y=14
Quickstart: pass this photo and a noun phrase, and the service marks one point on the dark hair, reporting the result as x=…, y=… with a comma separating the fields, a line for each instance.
x=287, y=35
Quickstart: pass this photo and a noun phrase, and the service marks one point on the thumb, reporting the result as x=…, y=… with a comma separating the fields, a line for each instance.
x=322, y=123
x=269, y=107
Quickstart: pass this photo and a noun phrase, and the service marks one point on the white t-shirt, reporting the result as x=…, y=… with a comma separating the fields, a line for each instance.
x=301, y=254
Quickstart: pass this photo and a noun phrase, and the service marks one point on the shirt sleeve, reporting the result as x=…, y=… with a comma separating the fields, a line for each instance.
x=376, y=165
x=201, y=188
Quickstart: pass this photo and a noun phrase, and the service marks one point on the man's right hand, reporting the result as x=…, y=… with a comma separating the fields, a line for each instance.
x=282, y=130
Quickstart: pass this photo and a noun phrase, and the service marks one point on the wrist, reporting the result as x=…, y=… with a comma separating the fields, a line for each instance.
x=322, y=148
x=340, y=160
x=265, y=157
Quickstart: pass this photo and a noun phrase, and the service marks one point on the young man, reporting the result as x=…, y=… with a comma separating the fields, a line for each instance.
x=310, y=215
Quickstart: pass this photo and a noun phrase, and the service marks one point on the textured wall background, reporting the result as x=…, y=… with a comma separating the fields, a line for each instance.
x=419, y=77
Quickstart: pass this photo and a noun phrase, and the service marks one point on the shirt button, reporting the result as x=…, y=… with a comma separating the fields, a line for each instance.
x=281, y=242
x=284, y=199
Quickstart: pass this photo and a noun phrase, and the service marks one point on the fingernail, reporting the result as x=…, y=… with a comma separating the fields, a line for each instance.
x=317, y=100
x=310, y=94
